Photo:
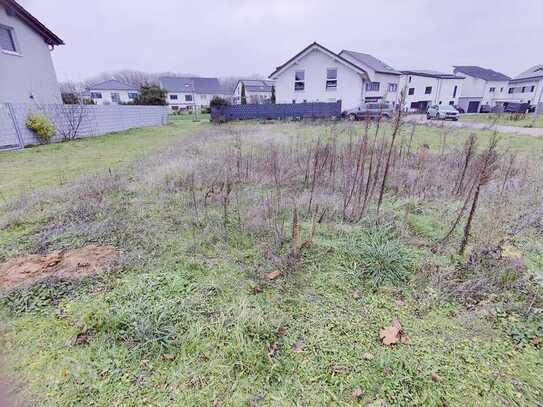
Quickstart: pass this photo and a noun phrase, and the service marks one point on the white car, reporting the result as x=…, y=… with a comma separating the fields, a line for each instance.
x=444, y=112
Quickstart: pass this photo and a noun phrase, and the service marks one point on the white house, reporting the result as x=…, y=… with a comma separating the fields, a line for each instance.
x=183, y=93
x=482, y=87
x=112, y=92
x=424, y=88
x=317, y=74
x=27, y=73
x=256, y=91
x=528, y=86
x=383, y=84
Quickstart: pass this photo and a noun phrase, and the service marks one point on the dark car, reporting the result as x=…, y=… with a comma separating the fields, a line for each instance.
x=460, y=110
x=513, y=107
x=370, y=110
x=485, y=109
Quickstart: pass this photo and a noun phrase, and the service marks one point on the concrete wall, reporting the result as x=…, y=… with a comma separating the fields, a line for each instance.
x=479, y=90
x=97, y=120
x=27, y=75
x=349, y=83
x=527, y=96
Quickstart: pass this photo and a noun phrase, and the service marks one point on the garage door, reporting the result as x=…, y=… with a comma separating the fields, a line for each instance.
x=8, y=134
x=473, y=107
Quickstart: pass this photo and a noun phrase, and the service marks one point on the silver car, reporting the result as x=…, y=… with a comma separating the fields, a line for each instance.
x=444, y=112
x=370, y=110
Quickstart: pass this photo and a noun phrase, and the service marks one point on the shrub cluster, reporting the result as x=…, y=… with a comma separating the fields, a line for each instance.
x=41, y=126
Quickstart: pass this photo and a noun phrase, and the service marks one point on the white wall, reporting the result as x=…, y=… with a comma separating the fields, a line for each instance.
x=198, y=99
x=534, y=97
x=383, y=78
x=476, y=89
x=29, y=76
x=349, y=83
x=442, y=90
x=107, y=97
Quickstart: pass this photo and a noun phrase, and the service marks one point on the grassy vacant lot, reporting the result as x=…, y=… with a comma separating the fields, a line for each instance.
x=32, y=169
x=506, y=119
x=255, y=269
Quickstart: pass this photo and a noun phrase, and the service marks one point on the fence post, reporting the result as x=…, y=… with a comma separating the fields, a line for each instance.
x=11, y=111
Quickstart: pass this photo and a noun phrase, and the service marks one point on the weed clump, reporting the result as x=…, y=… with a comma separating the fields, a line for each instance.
x=376, y=254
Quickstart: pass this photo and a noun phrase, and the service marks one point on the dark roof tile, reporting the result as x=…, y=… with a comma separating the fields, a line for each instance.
x=482, y=73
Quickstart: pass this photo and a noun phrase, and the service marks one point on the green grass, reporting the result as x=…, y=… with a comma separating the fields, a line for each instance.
x=31, y=169
x=505, y=119
x=181, y=323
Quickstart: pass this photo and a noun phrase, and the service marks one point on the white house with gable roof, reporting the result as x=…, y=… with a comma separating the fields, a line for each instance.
x=183, y=93
x=482, y=87
x=27, y=73
x=112, y=92
x=528, y=87
x=317, y=74
x=256, y=91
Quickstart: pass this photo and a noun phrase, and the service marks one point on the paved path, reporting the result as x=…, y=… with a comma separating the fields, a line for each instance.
x=526, y=131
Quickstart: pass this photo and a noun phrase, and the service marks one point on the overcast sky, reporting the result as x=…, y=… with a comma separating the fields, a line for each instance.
x=245, y=37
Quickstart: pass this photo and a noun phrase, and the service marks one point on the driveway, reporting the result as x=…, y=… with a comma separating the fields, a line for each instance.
x=525, y=131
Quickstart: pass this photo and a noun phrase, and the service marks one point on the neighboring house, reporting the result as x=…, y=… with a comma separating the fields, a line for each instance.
x=112, y=92
x=528, y=86
x=317, y=74
x=256, y=91
x=482, y=87
x=27, y=73
x=424, y=88
x=383, y=81
x=183, y=93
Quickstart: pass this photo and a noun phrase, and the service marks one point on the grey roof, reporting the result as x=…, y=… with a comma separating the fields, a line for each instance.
x=535, y=72
x=482, y=73
x=376, y=64
x=257, y=85
x=192, y=85
x=112, y=84
x=431, y=74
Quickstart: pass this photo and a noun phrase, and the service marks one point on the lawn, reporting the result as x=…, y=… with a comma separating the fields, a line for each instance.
x=249, y=274
x=506, y=119
x=53, y=165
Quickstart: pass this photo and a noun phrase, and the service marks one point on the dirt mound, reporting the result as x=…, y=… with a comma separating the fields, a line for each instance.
x=65, y=264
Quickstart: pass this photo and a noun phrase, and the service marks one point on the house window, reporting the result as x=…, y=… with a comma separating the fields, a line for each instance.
x=428, y=90
x=501, y=90
x=173, y=97
x=523, y=89
x=331, y=79
x=372, y=86
x=511, y=90
x=132, y=95
x=411, y=91
x=451, y=102
x=96, y=95
x=532, y=89
x=299, y=80
x=188, y=98
x=410, y=79
x=455, y=90
x=115, y=97
x=7, y=39
x=393, y=87
x=492, y=90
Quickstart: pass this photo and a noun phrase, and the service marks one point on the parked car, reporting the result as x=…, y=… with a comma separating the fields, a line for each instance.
x=370, y=110
x=514, y=107
x=485, y=109
x=532, y=108
x=444, y=112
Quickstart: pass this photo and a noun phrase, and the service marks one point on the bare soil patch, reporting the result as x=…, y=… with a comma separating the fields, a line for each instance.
x=62, y=264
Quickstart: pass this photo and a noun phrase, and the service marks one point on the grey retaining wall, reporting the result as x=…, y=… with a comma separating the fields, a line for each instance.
x=93, y=120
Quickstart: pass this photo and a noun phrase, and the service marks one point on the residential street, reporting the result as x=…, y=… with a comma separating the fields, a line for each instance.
x=526, y=131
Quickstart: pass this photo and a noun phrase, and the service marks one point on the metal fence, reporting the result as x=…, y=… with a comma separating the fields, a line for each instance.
x=85, y=120
x=276, y=111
